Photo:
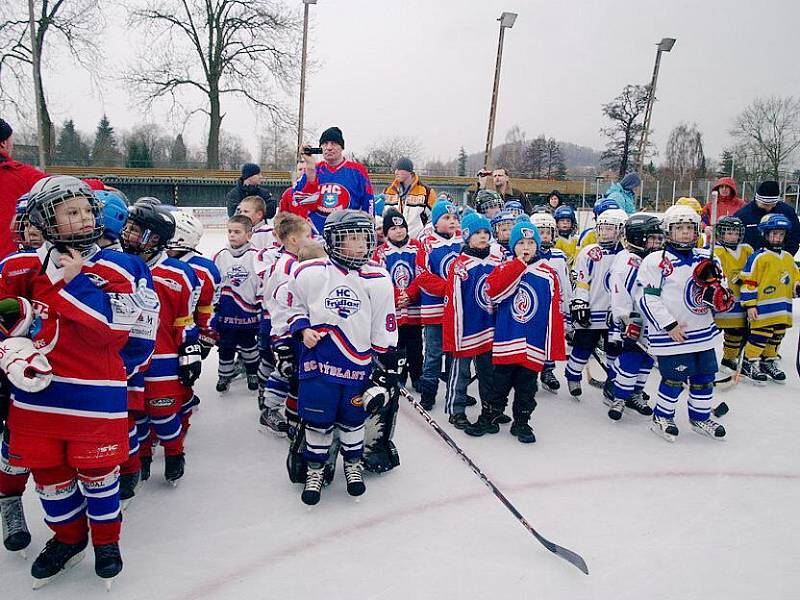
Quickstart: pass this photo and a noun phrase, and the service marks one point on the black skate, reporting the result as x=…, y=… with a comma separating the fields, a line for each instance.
x=638, y=402
x=107, y=562
x=708, y=428
x=664, y=427
x=752, y=372
x=145, y=472
x=549, y=381
x=223, y=384
x=354, y=478
x=127, y=488
x=523, y=432
x=16, y=536
x=54, y=559
x=486, y=423
x=574, y=388
x=770, y=368
x=502, y=419
x=459, y=420
x=616, y=408
x=729, y=365
x=252, y=382
x=314, y=478
x=173, y=467
x=272, y=420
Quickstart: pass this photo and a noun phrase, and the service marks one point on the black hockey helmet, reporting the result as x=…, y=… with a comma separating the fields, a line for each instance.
x=43, y=200
x=486, y=199
x=153, y=220
x=339, y=226
x=638, y=228
x=726, y=225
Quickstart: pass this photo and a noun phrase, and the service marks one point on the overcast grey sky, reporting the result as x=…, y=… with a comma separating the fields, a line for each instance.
x=424, y=69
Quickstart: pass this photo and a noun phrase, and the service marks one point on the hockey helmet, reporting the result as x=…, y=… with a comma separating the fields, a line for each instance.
x=342, y=226
x=613, y=217
x=115, y=213
x=692, y=203
x=774, y=222
x=603, y=205
x=153, y=220
x=188, y=231
x=727, y=225
x=47, y=195
x=515, y=207
x=679, y=214
x=638, y=231
x=545, y=221
x=566, y=212
x=488, y=199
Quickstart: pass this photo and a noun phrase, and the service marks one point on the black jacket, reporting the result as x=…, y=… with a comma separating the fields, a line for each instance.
x=751, y=215
x=239, y=192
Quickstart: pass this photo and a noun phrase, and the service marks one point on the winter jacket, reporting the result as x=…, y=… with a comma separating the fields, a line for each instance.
x=413, y=202
x=16, y=178
x=625, y=199
x=726, y=207
x=241, y=191
x=751, y=215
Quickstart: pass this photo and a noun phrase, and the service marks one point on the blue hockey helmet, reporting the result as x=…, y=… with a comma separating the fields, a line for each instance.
x=774, y=222
x=603, y=205
x=115, y=213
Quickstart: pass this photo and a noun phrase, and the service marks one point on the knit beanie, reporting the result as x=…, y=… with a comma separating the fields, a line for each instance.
x=5, y=131
x=393, y=218
x=768, y=192
x=332, y=134
x=440, y=209
x=250, y=169
x=404, y=164
x=631, y=181
x=524, y=230
x=473, y=223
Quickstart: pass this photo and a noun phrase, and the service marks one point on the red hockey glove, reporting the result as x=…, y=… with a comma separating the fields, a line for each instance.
x=719, y=298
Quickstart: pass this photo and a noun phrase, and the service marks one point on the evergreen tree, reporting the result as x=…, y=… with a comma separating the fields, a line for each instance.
x=70, y=148
x=177, y=154
x=462, y=162
x=725, y=163
x=138, y=155
x=105, y=151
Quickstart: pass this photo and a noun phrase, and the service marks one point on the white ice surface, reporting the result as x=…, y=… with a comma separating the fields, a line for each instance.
x=695, y=519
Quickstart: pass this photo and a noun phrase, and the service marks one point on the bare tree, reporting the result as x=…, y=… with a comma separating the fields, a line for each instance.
x=384, y=154
x=277, y=150
x=200, y=51
x=626, y=127
x=75, y=24
x=684, y=153
x=232, y=151
x=770, y=127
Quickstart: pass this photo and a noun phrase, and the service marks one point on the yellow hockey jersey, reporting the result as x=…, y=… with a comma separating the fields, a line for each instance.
x=568, y=246
x=732, y=263
x=768, y=282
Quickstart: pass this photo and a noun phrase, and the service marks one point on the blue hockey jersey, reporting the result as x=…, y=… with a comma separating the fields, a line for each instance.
x=345, y=186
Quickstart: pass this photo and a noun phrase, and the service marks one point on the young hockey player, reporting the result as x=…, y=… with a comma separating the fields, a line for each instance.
x=176, y=363
x=488, y=203
x=68, y=420
x=502, y=224
x=24, y=235
x=398, y=255
x=263, y=235
x=343, y=312
x=591, y=302
x=294, y=234
x=529, y=330
x=769, y=282
x=679, y=288
x=183, y=247
x=515, y=208
x=468, y=322
x=567, y=224
x=643, y=235
x=238, y=311
x=589, y=235
x=441, y=248
x=732, y=254
x=557, y=260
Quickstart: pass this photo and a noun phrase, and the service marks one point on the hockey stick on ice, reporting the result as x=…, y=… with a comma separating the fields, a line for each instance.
x=568, y=555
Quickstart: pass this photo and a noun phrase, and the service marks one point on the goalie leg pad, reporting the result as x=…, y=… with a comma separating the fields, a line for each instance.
x=380, y=453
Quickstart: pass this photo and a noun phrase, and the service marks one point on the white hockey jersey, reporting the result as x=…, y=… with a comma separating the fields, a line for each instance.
x=354, y=309
x=263, y=235
x=559, y=262
x=669, y=295
x=240, y=293
x=276, y=293
x=625, y=294
x=593, y=281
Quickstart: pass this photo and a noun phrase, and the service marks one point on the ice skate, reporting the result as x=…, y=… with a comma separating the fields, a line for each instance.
x=486, y=423
x=272, y=421
x=16, y=536
x=721, y=410
x=145, y=471
x=770, y=368
x=728, y=366
x=427, y=402
x=574, y=388
x=252, y=383
x=638, y=402
x=708, y=428
x=224, y=384
x=664, y=427
x=523, y=432
x=173, y=468
x=751, y=371
x=314, y=478
x=55, y=559
x=549, y=381
x=616, y=408
x=107, y=562
x=127, y=488
x=354, y=477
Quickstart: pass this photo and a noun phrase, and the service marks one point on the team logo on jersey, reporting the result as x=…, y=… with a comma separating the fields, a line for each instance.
x=461, y=271
x=770, y=289
x=333, y=196
x=482, y=294
x=96, y=279
x=401, y=275
x=237, y=275
x=666, y=267
x=524, y=304
x=595, y=253
x=693, y=297
x=343, y=301
x=445, y=264
x=785, y=278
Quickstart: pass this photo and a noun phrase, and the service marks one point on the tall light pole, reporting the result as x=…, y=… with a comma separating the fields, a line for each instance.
x=665, y=45
x=306, y=4
x=37, y=84
x=506, y=22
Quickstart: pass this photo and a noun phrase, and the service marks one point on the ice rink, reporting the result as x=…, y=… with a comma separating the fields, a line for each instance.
x=695, y=519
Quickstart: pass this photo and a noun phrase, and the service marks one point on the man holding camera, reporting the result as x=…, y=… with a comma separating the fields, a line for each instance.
x=336, y=182
x=500, y=181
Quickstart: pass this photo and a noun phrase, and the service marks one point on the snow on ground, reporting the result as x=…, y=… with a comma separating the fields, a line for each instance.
x=695, y=519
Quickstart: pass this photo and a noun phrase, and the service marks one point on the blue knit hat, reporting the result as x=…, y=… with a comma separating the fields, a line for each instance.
x=473, y=223
x=631, y=181
x=524, y=230
x=440, y=209
x=250, y=169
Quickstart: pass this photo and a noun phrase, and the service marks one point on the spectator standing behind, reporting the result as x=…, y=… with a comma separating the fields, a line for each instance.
x=410, y=197
x=624, y=192
x=248, y=185
x=728, y=201
x=768, y=201
x=336, y=182
x=16, y=178
x=500, y=181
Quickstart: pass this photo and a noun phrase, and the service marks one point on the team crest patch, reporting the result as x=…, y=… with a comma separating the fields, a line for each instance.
x=460, y=271
x=595, y=254
x=785, y=278
x=481, y=293
x=96, y=279
x=447, y=261
x=397, y=222
x=237, y=275
x=666, y=267
x=693, y=298
x=524, y=303
x=343, y=301
x=333, y=196
x=401, y=276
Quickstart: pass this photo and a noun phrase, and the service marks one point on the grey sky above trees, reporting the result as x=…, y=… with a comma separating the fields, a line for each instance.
x=432, y=82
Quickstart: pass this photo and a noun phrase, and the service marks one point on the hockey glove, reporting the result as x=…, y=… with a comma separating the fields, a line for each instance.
x=580, y=312
x=374, y=399
x=208, y=339
x=284, y=358
x=16, y=317
x=718, y=298
x=707, y=272
x=633, y=326
x=26, y=368
x=189, y=362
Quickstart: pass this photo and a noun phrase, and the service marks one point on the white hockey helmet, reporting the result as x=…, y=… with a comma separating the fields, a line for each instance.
x=188, y=231
x=679, y=214
x=545, y=221
x=614, y=217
